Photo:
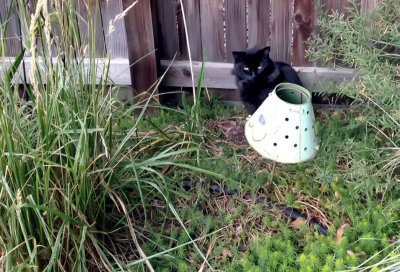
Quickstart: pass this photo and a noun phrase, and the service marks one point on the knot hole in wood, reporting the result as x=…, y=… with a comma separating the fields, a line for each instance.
x=186, y=72
x=298, y=18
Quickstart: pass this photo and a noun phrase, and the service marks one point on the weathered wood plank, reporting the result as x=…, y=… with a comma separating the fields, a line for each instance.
x=330, y=5
x=218, y=75
x=359, y=5
x=91, y=19
x=225, y=95
x=338, y=5
x=118, y=69
x=13, y=33
x=115, y=38
x=235, y=25
x=192, y=14
x=363, y=5
x=140, y=38
x=369, y=4
x=5, y=65
x=303, y=23
x=281, y=30
x=258, y=23
x=56, y=29
x=96, y=10
x=212, y=29
x=344, y=5
x=24, y=22
x=168, y=44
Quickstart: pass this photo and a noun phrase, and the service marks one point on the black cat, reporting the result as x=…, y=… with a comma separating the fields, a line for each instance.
x=257, y=75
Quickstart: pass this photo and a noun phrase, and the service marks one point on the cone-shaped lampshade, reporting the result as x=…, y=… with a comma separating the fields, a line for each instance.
x=283, y=127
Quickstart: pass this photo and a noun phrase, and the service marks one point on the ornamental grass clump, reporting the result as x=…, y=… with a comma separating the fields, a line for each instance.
x=75, y=171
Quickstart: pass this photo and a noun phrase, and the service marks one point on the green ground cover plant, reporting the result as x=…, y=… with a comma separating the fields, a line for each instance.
x=329, y=188
x=366, y=181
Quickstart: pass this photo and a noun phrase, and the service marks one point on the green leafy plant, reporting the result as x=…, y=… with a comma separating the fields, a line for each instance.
x=367, y=237
x=369, y=42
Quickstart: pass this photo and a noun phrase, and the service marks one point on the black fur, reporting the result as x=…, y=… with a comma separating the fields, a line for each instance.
x=257, y=75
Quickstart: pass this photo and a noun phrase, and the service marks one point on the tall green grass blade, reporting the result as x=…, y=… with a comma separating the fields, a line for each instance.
x=196, y=106
x=135, y=263
x=81, y=251
x=65, y=217
x=155, y=186
x=4, y=28
x=139, y=187
x=55, y=250
x=14, y=68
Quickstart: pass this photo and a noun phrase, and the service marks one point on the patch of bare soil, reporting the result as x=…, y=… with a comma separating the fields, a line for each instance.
x=232, y=130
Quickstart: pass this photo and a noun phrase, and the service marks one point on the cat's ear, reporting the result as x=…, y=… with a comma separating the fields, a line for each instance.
x=265, y=50
x=238, y=55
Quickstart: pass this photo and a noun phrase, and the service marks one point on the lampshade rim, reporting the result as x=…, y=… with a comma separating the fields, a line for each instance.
x=295, y=87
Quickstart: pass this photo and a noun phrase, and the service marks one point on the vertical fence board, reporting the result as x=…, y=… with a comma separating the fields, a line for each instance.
x=258, y=23
x=343, y=7
x=340, y=5
x=212, y=29
x=281, y=30
x=369, y=4
x=116, y=40
x=363, y=6
x=330, y=5
x=166, y=26
x=192, y=15
x=303, y=25
x=100, y=39
x=13, y=33
x=235, y=25
x=140, y=38
x=24, y=22
x=90, y=13
x=56, y=31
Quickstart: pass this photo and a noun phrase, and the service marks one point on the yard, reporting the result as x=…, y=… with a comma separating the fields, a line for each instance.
x=95, y=179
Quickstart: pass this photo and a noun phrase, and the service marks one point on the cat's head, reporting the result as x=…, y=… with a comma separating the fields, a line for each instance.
x=251, y=63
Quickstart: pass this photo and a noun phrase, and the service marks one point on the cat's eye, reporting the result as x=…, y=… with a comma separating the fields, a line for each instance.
x=246, y=68
x=259, y=67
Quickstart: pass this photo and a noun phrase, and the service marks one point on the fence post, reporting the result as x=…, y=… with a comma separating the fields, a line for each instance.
x=141, y=49
x=303, y=26
x=281, y=30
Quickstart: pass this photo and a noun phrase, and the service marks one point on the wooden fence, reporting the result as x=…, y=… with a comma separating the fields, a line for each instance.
x=115, y=43
x=122, y=45
x=217, y=27
x=155, y=29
